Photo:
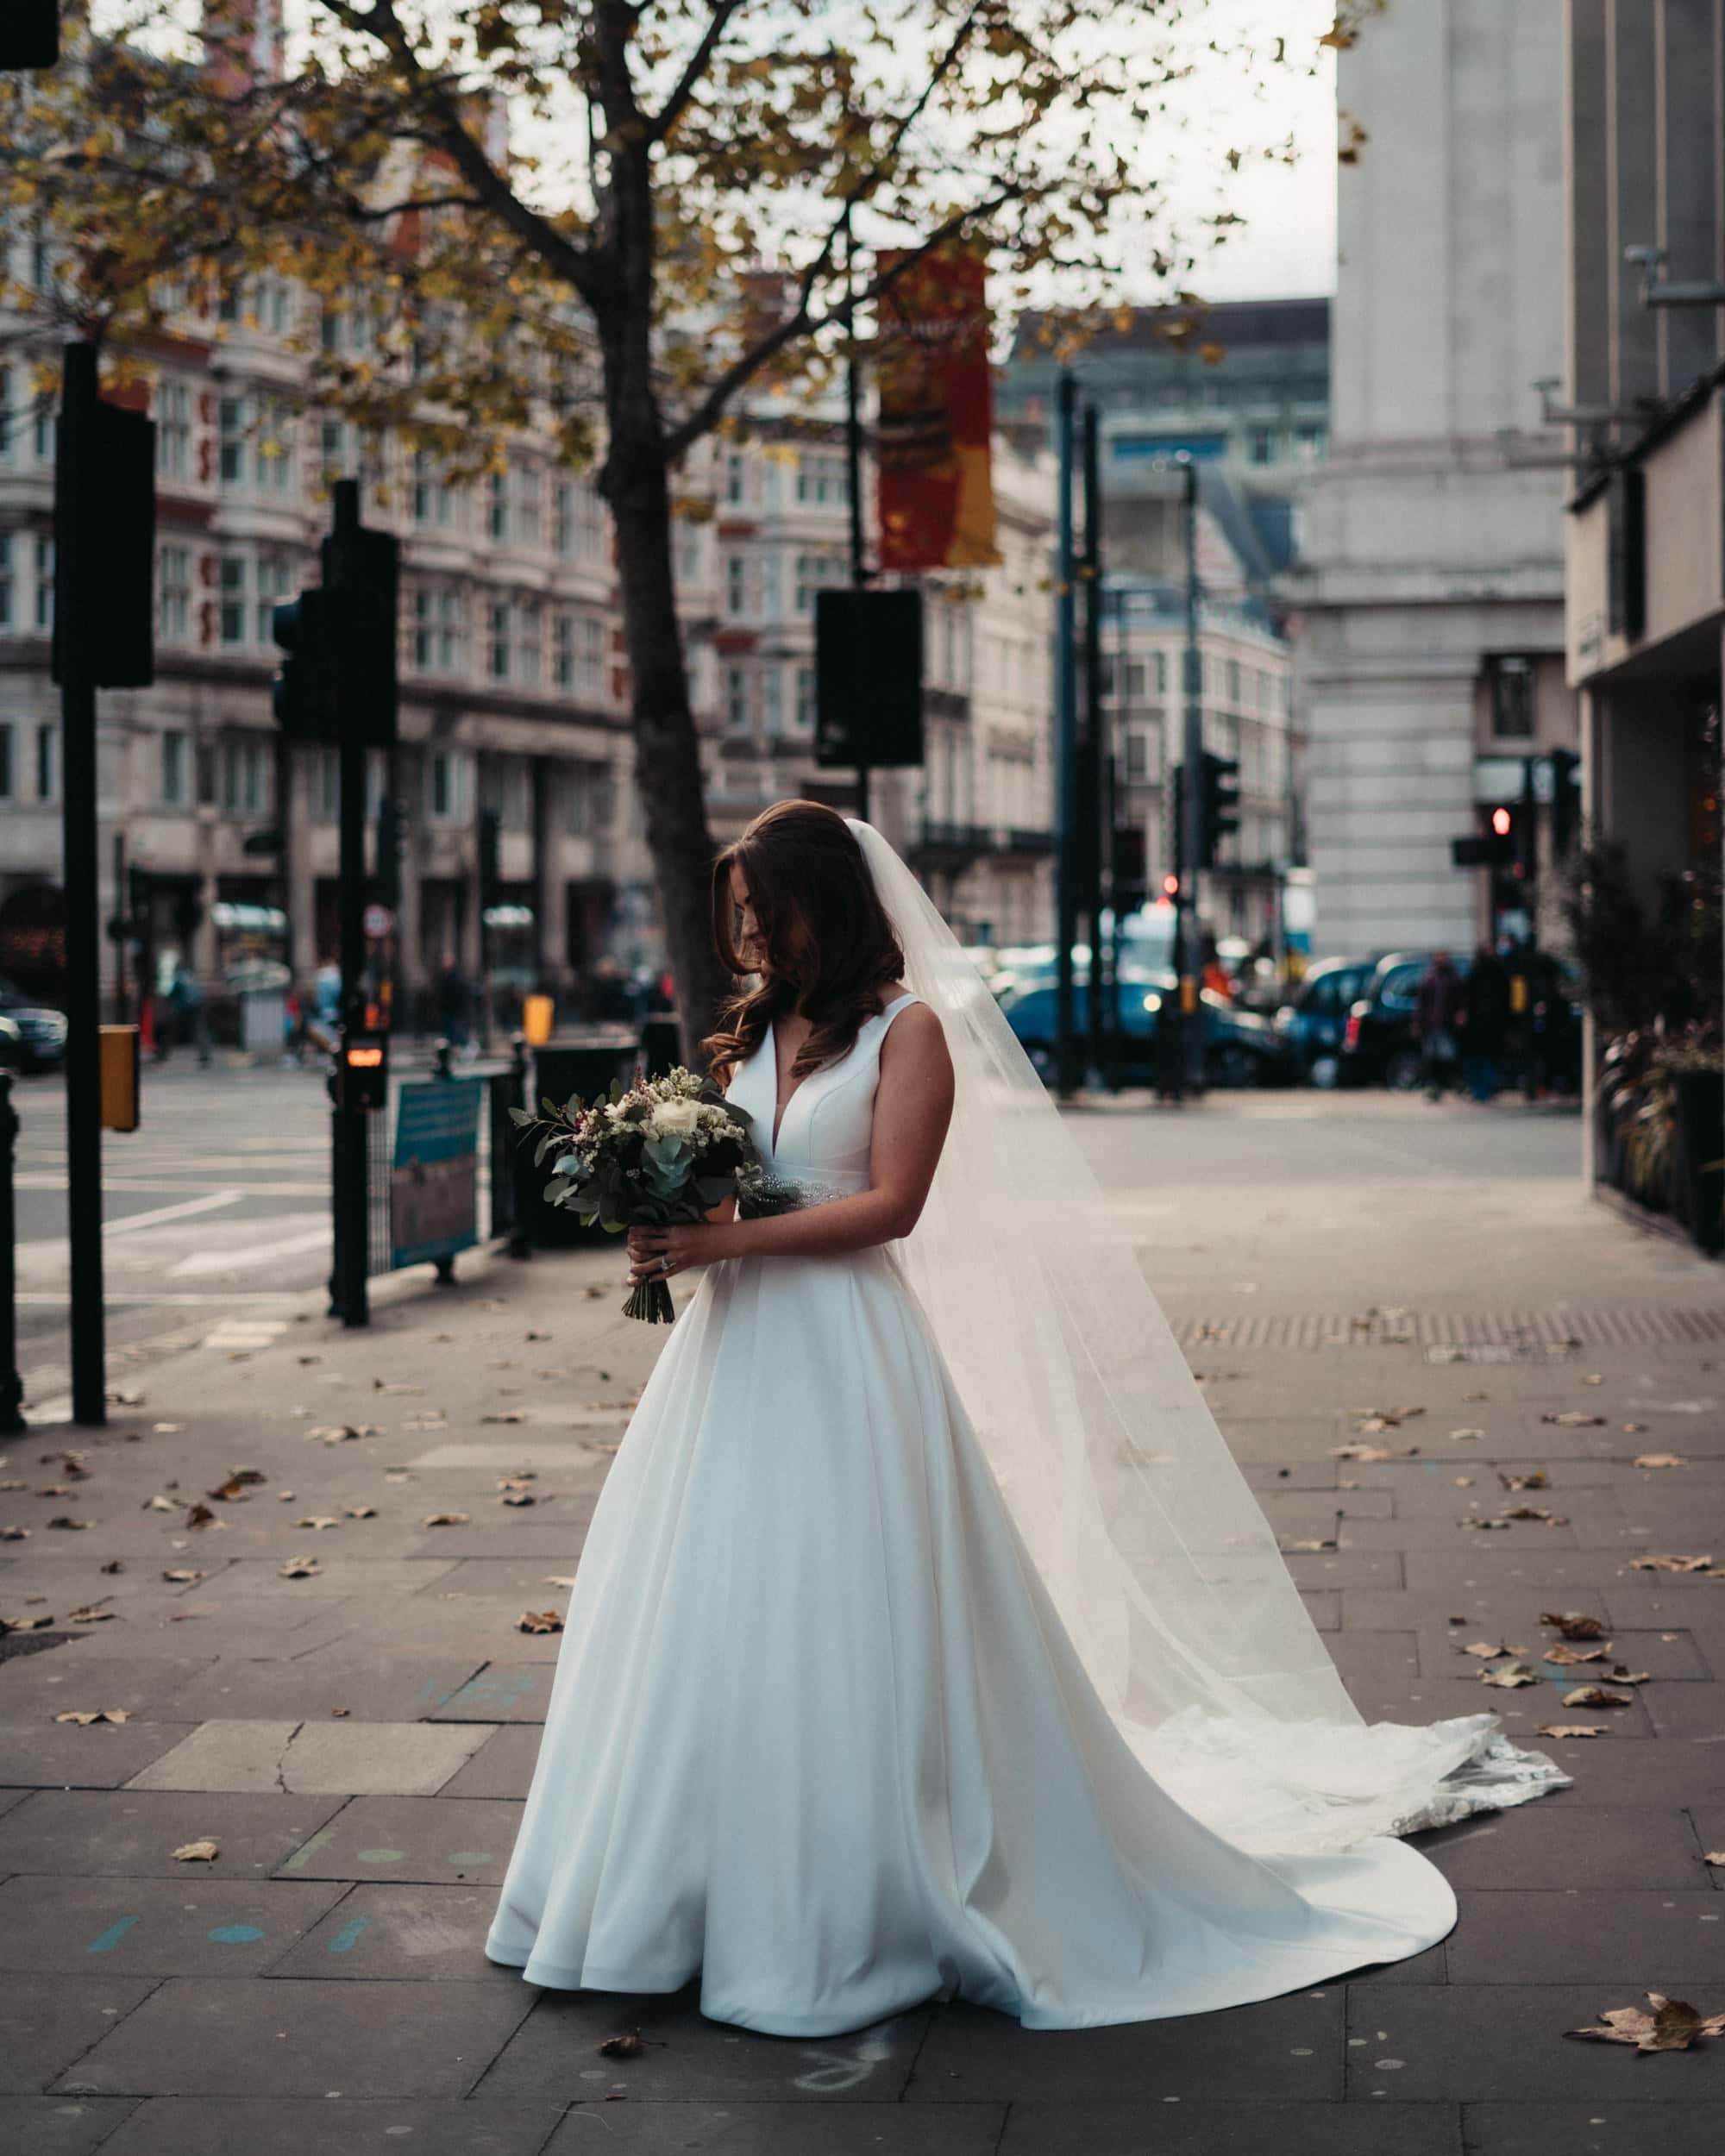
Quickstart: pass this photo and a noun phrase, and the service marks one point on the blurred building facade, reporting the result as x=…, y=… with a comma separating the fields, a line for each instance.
x=1429, y=594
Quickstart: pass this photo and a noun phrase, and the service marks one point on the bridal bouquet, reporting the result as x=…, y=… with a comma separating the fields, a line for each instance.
x=661, y=1154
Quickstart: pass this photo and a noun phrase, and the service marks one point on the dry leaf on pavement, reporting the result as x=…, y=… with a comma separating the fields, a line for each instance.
x=1534, y=1511
x=446, y=1519
x=560, y=1579
x=1571, y=1729
x=1715, y=1856
x=1574, y=1418
x=1310, y=1543
x=318, y=1520
x=1660, y=1459
x=1595, y=1695
x=339, y=1432
x=506, y=1414
x=1508, y=1678
x=65, y=1519
x=10, y=1533
x=182, y=1573
x=1566, y=1655
x=84, y=1716
x=24, y=1623
x=1467, y=1433
x=1486, y=1652
x=299, y=1569
x=1535, y=1478
x=1574, y=1623
x=360, y=1512
x=199, y=1516
x=1674, y=2024
x=539, y=1620
x=1670, y=1564
x=90, y=1615
x=205, y=1852
x=629, y=2047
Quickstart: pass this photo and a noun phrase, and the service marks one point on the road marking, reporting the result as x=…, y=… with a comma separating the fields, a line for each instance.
x=203, y=1263
x=188, y=1302
x=184, y=1210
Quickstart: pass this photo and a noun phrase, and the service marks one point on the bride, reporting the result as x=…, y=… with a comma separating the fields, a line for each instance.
x=926, y=1640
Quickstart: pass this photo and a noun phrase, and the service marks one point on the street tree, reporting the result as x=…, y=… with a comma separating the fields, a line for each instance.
x=614, y=219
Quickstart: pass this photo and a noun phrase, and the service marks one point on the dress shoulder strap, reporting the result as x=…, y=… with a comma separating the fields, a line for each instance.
x=884, y=1019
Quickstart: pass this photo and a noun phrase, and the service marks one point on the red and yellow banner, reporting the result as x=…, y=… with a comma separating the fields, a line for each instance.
x=936, y=493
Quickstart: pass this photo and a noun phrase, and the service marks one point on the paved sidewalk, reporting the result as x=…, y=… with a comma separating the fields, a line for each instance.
x=355, y=1740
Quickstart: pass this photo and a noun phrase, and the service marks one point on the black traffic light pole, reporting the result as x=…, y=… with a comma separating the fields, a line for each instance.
x=853, y=471
x=1066, y=746
x=1090, y=790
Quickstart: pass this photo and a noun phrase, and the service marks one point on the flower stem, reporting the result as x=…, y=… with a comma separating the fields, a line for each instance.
x=651, y=1301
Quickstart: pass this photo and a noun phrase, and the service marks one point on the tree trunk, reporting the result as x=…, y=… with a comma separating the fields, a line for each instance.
x=666, y=749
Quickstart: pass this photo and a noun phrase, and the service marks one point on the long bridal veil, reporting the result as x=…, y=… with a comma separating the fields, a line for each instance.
x=1156, y=1553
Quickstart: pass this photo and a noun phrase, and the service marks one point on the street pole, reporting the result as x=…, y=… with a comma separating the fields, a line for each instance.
x=1099, y=1012
x=1192, y=805
x=349, y=1167
x=122, y=1001
x=1066, y=809
x=77, y=596
x=11, y=1385
x=853, y=464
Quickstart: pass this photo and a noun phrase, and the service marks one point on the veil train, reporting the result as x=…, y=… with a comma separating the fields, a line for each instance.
x=1150, y=1542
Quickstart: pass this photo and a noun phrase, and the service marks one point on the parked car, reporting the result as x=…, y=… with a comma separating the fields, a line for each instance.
x=11, y=1046
x=1311, y=1023
x=1240, y=1048
x=1379, y=1046
x=42, y=1031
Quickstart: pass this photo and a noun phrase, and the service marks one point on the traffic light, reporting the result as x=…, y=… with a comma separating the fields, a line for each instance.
x=1131, y=875
x=1565, y=799
x=29, y=35
x=337, y=679
x=868, y=658
x=1219, y=805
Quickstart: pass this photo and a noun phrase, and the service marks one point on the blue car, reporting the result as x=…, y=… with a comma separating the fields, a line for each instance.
x=1312, y=1025
x=1240, y=1048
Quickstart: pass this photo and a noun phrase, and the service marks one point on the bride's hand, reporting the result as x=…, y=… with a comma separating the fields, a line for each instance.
x=660, y=1253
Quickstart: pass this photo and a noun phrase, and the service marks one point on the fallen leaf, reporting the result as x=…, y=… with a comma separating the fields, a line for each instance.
x=378, y=1386
x=54, y=1489
x=318, y=1520
x=11, y=1533
x=113, y=1564
x=360, y=1512
x=1715, y=1856
x=84, y=1716
x=159, y=1503
x=199, y=1516
x=629, y=2047
x=1664, y=1564
x=65, y=1519
x=1574, y=1418
x=1485, y=1651
x=506, y=1414
x=1535, y=1478
x=233, y=1491
x=1312, y=1543
x=24, y=1623
x=1510, y=1677
x=1619, y=1675
x=517, y=1497
x=1660, y=1459
x=299, y=1567
x=1462, y=1482
x=1566, y=1656
x=1363, y=1452
x=198, y=1852
x=539, y=1620
x=1571, y=1729
x=339, y=1432
x=1674, y=2024
x=166, y=1429
x=91, y=1615
x=446, y=1519
x=1373, y=1419
x=1483, y=1525
x=181, y=1574
x=560, y=1579
x=1574, y=1623
x=536, y=1336
x=1534, y=1511
x=1595, y=1695
x=125, y=1400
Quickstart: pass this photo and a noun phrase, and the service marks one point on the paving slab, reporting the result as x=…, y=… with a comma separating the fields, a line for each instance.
x=1345, y=1568
x=1432, y=1534
x=1505, y=2042
x=690, y=2059
x=333, y=1757
x=44, y=1754
x=371, y=1687
x=1294, y=2045
x=1666, y=1601
x=1690, y=1713
x=503, y=1765
x=1180, y=2126
x=1542, y=1844
x=1574, y=1935
x=60, y=2126
x=513, y=1692
x=194, y=1926
x=1604, y=2128
x=330, y=2125
x=1602, y=1771
x=253, y=1579
x=1669, y=1656
x=143, y=1684
x=252, y=2036
x=1323, y=1607
x=524, y=1578
x=135, y=1833
x=396, y=1931
x=47, y=2023
x=629, y=2128
x=1485, y=1567
x=453, y=1840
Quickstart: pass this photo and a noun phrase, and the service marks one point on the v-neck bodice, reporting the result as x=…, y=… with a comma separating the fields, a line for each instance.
x=825, y=1123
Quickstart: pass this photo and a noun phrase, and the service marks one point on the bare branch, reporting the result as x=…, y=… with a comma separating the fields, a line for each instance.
x=678, y=102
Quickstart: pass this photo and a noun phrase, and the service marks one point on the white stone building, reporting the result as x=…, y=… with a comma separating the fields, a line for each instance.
x=1431, y=595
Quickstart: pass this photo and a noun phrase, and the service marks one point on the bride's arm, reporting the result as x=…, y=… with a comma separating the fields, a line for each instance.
x=913, y=1108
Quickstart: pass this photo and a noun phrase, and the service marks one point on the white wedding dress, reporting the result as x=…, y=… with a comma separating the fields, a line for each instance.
x=819, y=1734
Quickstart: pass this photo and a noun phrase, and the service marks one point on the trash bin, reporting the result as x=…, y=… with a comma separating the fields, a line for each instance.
x=577, y=1064
x=263, y=1021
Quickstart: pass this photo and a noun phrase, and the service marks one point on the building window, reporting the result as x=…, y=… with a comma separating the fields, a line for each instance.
x=436, y=631
x=5, y=414
x=805, y=698
x=272, y=587
x=772, y=700
x=563, y=652
x=527, y=516
x=499, y=655
x=1160, y=665
x=230, y=422
x=323, y=784
x=447, y=789
x=498, y=505
x=736, y=585
x=45, y=431
x=1311, y=441
x=821, y=479
x=814, y=573
x=5, y=580
x=1511, y=681
x=231, y=608
x=1233, y=682
x=272, y=464
x=736, y=696
x=1260, y=444
x=174, y=430
x=173, y=593
x=433, y=500
x=47, y=763
x=736, y=477
x=529, y=645
x=584, y=787
x=245, y=778
x=45, y=583
x=173, y=769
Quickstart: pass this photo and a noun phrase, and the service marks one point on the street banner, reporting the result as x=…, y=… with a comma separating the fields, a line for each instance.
x=937, y=494
x=434, y=1177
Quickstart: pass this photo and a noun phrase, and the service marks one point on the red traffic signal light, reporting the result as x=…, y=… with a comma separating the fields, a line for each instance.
x=1501, y=821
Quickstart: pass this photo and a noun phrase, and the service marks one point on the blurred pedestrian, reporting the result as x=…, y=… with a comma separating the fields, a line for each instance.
x=1484, y=1019
x=455, y=1001
x=1435, y=1011
x=612, y=998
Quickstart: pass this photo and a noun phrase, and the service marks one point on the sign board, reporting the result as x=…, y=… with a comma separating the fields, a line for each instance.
x=380, y=921
x=434, y=1177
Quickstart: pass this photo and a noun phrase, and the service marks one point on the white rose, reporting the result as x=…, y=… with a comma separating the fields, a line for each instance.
x=674, y=1118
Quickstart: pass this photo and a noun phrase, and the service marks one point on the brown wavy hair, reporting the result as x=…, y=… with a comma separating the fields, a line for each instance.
x=829, y=947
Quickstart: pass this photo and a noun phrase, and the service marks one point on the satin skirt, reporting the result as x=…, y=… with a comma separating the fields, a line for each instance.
x=818, y=1736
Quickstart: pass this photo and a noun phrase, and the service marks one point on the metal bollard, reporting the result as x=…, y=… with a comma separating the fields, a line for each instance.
x=440, y=1066
x=11, y=1385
